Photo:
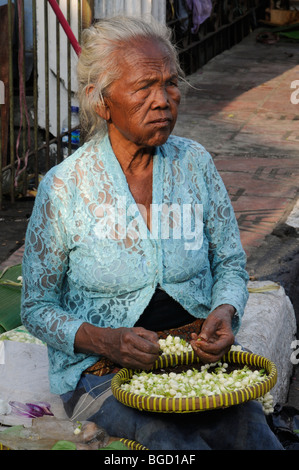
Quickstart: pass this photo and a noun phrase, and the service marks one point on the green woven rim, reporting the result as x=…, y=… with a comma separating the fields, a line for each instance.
x=132, y=445
x=202, y=403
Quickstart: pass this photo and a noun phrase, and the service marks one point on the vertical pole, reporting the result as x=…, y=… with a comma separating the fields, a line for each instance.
x=69, y=80
x=87, y=14
x=11, y=101
x=66, y=25
x=80, y=11
x=79, y=20
x=47, y=120
x=1, y=175
x=58, y=101
x=35, y=93
x=23, y=72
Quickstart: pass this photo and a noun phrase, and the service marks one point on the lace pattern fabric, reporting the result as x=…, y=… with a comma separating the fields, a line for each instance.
x=89, y=256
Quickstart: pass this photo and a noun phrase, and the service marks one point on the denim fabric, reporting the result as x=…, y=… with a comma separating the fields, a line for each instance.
x=240, y=427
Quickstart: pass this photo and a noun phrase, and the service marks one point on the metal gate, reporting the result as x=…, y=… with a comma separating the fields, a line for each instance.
x=229, y=22
x=35, y=53
x=37, y=79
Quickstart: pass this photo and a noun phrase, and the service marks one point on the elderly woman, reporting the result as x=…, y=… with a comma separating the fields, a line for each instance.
x=132, y=235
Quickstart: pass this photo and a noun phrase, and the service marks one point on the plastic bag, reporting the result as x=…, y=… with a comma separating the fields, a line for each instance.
x=284, y=422
x=24, y=379
x=45, y=432
x=20, y=334
x=201, y=10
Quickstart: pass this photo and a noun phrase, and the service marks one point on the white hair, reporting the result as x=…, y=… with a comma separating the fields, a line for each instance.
x=98, y=62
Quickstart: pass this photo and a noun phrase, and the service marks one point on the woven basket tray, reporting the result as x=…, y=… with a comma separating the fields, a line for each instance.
x=202, y=403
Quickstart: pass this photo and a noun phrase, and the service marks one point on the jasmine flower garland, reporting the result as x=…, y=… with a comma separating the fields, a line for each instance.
x=211, y=379
x=174, y=345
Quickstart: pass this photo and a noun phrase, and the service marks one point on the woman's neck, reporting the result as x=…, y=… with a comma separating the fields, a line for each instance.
x=137, y=165
x=133, y=159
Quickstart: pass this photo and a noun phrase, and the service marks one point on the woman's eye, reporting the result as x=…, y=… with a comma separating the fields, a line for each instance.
x=145, y=86
x=172, y=83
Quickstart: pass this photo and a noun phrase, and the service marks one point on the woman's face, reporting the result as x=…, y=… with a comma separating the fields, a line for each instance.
x=142, y=105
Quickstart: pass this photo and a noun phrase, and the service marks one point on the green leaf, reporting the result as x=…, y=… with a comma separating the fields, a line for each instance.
x=115, y=445
x=64, y=445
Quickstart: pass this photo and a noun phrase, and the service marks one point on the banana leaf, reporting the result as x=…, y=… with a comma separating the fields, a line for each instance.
x=10, y=298
x=289, y=31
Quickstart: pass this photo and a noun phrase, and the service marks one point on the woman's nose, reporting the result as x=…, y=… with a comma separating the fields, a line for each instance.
x=160, y=98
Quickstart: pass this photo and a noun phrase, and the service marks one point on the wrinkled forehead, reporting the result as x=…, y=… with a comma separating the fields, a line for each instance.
x=151, y=54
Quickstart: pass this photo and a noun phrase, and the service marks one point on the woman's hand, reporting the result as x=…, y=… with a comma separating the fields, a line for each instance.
x=135, y=348
x=216, y=336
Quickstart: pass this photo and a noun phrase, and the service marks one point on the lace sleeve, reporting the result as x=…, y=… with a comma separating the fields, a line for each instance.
x=226, y=254
x=44, y=266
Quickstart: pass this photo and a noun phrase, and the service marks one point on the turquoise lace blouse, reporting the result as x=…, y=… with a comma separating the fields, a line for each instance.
x=89, y=256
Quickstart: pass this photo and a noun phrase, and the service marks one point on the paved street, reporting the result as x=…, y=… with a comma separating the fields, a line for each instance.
x=242, y=108
x=241, y=111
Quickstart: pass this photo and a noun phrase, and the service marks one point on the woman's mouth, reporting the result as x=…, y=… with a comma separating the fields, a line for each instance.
x=161, y=122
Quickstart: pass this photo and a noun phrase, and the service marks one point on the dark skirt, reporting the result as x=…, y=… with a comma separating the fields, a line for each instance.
x=240, y=427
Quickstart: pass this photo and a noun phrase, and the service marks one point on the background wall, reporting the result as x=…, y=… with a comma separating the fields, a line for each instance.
x=140, y=8
x=102, y=9
x=64, y=77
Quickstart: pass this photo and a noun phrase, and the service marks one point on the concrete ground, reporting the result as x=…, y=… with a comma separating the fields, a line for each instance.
x=241, y=106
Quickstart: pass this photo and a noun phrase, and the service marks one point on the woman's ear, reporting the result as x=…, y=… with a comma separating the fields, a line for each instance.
x=101, y=107
x=103, y=110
